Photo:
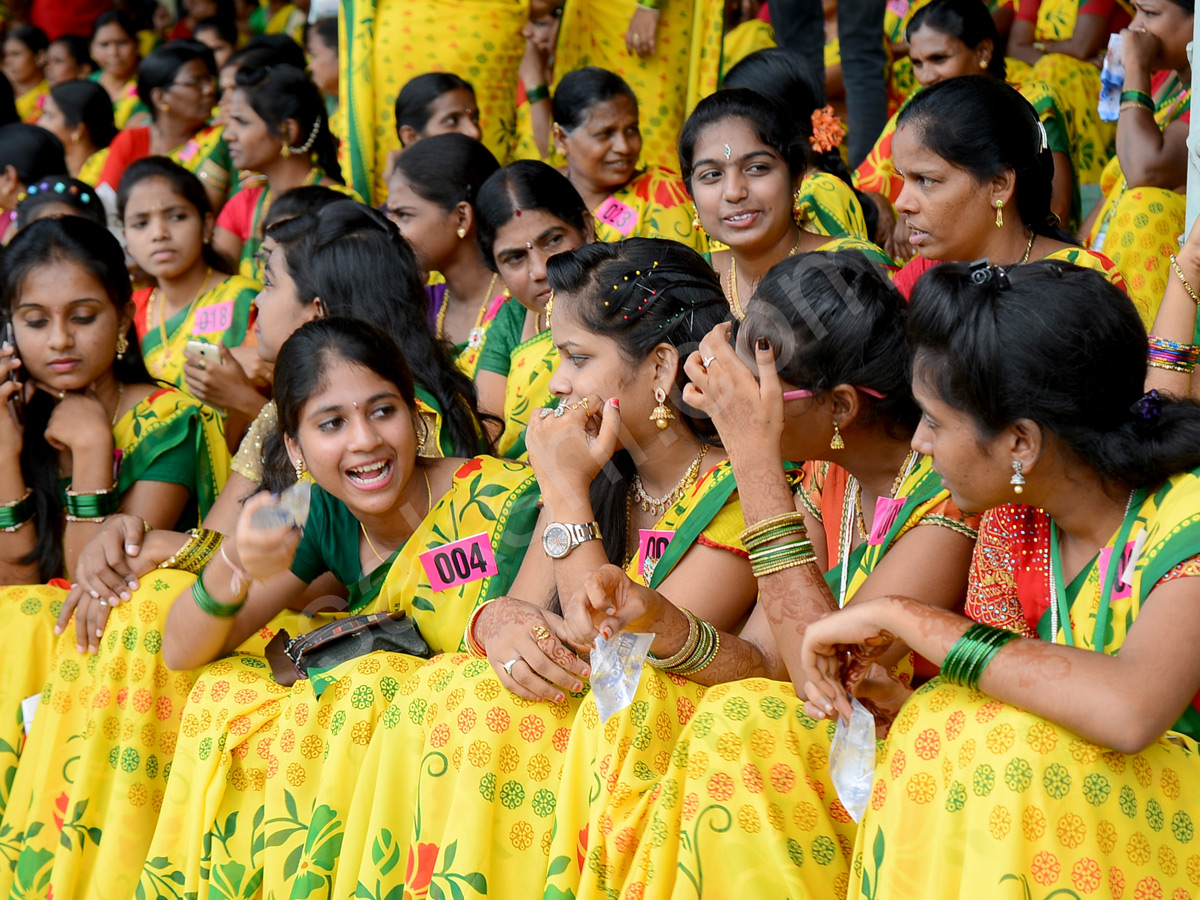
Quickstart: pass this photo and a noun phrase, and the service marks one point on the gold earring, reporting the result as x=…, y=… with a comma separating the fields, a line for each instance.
x=836, y=443
x=661, y=416
x=462, y=232
x=696, y=226
x=285, y=151
x=1018, y=479
x=999, y=213
x=299, y=465
x=797, y=208
x=166, y=107
x=122, y=346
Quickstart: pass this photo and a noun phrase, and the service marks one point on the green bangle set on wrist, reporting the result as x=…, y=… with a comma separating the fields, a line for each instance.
x=211, y=606
x=14, y=515
x=92, y=506
x=1140, y=97
x=973, y=653
x=538, y=94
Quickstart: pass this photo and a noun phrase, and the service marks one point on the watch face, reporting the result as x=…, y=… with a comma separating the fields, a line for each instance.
x=556, y=540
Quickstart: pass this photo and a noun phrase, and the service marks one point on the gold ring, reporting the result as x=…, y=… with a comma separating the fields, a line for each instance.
x=201, y=365
x=584, y=404
x=541, y=632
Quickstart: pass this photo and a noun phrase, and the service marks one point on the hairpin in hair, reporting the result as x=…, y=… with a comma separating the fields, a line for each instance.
x=982, y=272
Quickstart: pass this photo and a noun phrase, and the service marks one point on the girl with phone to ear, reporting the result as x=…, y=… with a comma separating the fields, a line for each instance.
x=194, y=302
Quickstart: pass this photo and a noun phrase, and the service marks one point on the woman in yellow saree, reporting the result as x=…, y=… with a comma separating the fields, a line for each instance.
x=385, y=43
x=114, y=47
x=178, y=82
x=1140, y=220
x=743, y=160
x=1080, y=779
x=977, y=184
x=465, y=742
x=432, y=192
x=739, y=758
x=527, y=213
x=952, y=39
x=24, y=55
x=278, y=129
x=597, y=130
x=113, y=439
x=667, y=51
x=168, y=232
x=826, y=201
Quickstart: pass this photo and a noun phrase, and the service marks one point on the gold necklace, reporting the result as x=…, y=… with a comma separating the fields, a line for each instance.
x=734, y=301
x=162, y=321
x=476, y=332
x=1028, y=248
x=429, y=496
x=657, y=505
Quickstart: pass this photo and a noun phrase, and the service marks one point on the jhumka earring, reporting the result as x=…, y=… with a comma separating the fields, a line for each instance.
x=661, y=416
x=1017, y=480
x=299, y=469
x=836, y=442
x=122, y=346
x=462, y=232
x=999, y=213
x=797, y=208
x=696, y=226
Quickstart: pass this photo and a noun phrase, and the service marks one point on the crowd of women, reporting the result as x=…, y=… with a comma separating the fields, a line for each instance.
x=363, y=391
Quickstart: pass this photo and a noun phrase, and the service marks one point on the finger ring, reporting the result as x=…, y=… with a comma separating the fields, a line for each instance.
x=560, y=411
x=201, y=365
x=541, y=632
x=584, y=403
x=104, y=603
x=508, y=666
x=707, y=361
x=545, y=412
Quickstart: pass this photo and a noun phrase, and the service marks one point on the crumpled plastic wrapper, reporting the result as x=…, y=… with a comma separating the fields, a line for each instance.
x=291, y=510
x=852, y=759
x=617, y=669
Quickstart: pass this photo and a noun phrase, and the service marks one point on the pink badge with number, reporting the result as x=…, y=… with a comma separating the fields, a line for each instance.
x=211, y=319
x=651, y=547
x=1122, y=589
x=887, y=509
x=458, y=563
x=619, y=215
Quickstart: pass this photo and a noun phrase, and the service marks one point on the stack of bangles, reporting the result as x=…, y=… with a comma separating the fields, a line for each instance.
x=1136, y=100
x=92, y=506
x=1174, y=357
x=201, y=546
x=15, y=514
x=473, y=646
x=766, y=558
x=210, y=605
x=973, y=652
x=698, y=651
x=1187, y=286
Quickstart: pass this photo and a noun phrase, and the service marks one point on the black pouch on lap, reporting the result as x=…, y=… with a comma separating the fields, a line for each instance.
x=323, y=648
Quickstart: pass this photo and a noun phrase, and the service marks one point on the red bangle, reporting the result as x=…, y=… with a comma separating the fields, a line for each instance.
x=473, y=646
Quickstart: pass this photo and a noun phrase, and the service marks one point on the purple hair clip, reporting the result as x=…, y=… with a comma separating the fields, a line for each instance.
x=1148, y=408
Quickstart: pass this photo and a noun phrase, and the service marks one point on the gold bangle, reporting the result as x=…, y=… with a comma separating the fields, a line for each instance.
x=1135, y=104
x=94, y=520
x=10, y=504
x=1182, y=280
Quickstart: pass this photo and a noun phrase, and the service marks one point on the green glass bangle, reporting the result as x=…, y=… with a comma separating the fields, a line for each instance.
x=93, y=506
x=993, y=648
x=652, y=5
x=1137, y=97
x=978, y=652
x=800, y=546
x=774, y=534
x=14, y=515
x=538, y=94
x=211, y=606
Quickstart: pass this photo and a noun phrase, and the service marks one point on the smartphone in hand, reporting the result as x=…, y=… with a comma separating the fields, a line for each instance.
x=16, y=401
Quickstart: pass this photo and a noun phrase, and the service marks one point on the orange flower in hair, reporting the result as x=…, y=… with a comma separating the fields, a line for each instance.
x=828, y=130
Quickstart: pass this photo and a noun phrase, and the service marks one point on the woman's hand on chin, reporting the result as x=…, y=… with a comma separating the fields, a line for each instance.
x=568, y=446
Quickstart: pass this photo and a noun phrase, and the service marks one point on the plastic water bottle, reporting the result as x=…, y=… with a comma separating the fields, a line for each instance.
x=1112, y=79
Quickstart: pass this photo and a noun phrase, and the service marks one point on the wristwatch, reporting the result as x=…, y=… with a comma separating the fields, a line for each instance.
x=559, y=539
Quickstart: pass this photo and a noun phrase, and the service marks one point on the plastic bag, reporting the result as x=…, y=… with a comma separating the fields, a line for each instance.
x=1112, y=79
x=852, y=759
x=616, y=670
x=291, y=510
